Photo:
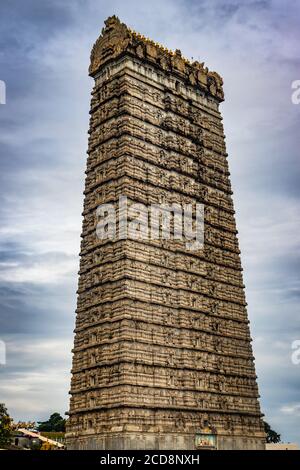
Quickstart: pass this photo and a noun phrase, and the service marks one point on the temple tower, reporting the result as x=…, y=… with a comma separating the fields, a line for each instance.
x=162, y=353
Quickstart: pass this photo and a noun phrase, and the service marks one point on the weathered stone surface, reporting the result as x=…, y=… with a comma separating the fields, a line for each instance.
x=162, y=344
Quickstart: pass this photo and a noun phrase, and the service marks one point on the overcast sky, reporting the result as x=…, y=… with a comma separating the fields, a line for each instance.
x=44, y=57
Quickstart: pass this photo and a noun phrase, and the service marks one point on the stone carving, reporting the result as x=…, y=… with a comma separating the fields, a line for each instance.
x=162, y=343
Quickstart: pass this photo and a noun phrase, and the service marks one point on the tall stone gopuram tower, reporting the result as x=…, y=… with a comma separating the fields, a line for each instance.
x=162, y=354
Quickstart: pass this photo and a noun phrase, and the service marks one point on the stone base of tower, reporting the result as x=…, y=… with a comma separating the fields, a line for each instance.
x=159, y=441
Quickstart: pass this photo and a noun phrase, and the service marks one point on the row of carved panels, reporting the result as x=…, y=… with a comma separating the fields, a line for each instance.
x=212, y=236
x=219, y=226
x=133, y=250
x=148, y=194
x=173, y=183
x=164, y=158
x=217, y=255
x=209, y=253
x=154, y=172
x=220, y=251
x=129, y=330
x=153, y=194
x=156, y=256
x=114, y=149
x=160, y=200
x=138, y=192
x=115, y=127
x=161, y=98
x=151, y=91
x=159, y=315
x=126, y=105
x=154, y=280
x=170, y=272
x=165, y=116
x=168, y=184
x=116, y=316
x=127, y=395
x=160, y=336
x=136, y=289
x=148, y=230
x=204, y=403
x=165, y=420
x=150, y=234
x=133, y=289
x=170, y=113
x=163, y=356
x=166, y=119
x=159, y=276
x=162, y=377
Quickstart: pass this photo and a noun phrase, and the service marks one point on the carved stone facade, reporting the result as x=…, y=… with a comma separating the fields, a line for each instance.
x=162, y=344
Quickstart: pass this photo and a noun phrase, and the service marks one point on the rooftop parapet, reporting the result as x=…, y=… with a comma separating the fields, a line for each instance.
x=117, y=39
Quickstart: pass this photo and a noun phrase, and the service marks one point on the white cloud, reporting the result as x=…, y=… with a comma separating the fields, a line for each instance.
x=291, y=409
x=48, y=271
x=42, y=386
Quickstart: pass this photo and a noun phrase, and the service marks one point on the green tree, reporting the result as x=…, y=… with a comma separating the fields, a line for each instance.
x=271, y=435
x=55, y=423
x=5, y=427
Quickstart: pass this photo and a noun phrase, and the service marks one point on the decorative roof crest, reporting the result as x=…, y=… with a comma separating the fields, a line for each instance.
x=116, y=39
